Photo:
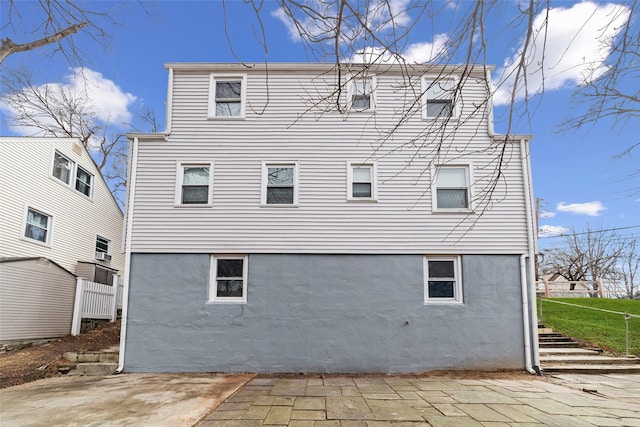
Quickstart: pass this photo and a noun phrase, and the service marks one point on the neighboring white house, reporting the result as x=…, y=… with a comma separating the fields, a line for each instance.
x=56, y=207
x=278, y=226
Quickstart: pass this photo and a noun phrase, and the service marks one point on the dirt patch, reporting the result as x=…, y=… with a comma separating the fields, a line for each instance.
x=43, y=361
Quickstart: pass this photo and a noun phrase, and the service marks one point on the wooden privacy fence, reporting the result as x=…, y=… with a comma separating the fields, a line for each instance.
x=95, y=301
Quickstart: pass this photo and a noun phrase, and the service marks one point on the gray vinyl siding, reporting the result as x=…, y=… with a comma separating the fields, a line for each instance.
x=281, y=126
x=36, y=300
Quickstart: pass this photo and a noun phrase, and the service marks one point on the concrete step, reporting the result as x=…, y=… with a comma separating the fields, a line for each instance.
x=592, y=369
x=549, y=334
x=544, y=330
x=556, y=339
x=94, y=369
x=98, y=363
x=555, y=351
x=588, y=359
x=569, y=344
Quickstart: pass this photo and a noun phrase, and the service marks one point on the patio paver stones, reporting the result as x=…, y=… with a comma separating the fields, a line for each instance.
x=377, y=401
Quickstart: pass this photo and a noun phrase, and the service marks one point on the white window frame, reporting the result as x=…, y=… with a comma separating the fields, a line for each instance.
x=457, y=287
x=91, y=183
x=374, y=181
x=265, y=181
x=429, y=80
x=71, y=170
x=23, y=229
x=468, y=167
x=213, y=79
x=351, y=92
x=180, y=166
x=213, y=283
x=108, y=244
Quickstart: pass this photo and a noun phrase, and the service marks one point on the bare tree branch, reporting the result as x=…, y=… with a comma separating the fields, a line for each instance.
x=8, y=47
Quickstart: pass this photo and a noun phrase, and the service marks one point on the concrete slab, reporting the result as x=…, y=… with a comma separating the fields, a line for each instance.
x=118, y=400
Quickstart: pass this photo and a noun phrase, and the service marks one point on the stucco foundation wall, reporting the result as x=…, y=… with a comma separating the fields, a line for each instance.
x=322, y=313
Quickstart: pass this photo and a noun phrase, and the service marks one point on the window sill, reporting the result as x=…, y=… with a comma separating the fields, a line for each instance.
x=448, y=302
x=370, y=110
x=196, y=206
x=362, y=200
x=453, y=211
x=233, y=118
x=215, y=302
x=277, y=206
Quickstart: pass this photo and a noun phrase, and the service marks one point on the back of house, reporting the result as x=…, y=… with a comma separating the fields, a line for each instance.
x=324, y=218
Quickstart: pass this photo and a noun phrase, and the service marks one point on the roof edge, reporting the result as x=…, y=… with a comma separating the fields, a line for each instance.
x=321, y=66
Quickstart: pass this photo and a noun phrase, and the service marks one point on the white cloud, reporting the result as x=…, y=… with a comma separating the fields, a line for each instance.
x=547, y=214
x=96, y=95
x=590, y=208
x=551, y=230
x=424, y=52
x=576, y=47
x=418, y=53
x=381, y=16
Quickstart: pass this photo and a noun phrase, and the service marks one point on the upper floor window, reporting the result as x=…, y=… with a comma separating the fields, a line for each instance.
x=62, y=168
x=228, y=281
x=84, y=181
x=361, y=181
x=37, y=226
x=452, y=188
x=438, y=98
x=361, y=94
x=279, y=184
x=443, y=281
x=227, y=96
x=194, y=184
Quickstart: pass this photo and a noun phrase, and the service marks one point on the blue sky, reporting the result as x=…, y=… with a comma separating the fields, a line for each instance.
x=575, y=173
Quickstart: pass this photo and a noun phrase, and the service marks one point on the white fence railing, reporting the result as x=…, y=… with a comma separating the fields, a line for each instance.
x=95, y=301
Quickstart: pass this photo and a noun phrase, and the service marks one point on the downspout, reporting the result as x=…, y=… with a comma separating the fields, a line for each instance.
x=529, y=316
x=133, y=158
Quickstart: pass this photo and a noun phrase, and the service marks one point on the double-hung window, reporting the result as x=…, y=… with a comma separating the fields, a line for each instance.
x=452, y=188
x=62, y=168
x=443, y=281
x=228, y=283
x=279, y=184
x=37, y=226
x=361, y=94
x=72, y=174
x=227, y=96
x=84, y=181
x=438, y=98
x=361, y=181
x=194, y=184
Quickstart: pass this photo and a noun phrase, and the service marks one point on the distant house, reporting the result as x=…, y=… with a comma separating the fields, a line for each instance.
x=269, y=230
x=59, y=219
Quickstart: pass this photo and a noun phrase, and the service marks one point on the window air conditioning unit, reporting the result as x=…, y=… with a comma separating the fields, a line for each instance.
x=103, y=256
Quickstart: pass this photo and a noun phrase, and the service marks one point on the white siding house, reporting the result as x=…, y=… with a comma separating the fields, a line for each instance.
x=344, y=202
x=56, y=206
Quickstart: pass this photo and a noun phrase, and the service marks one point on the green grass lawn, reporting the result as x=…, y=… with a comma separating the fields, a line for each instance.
x=606, y=330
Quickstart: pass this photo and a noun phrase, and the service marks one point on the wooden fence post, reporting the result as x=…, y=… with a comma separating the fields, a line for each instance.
x=546, y=287
x=76, y=322
x=600, y=288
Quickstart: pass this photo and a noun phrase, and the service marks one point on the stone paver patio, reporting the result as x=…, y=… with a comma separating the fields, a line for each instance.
x=564, y=401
